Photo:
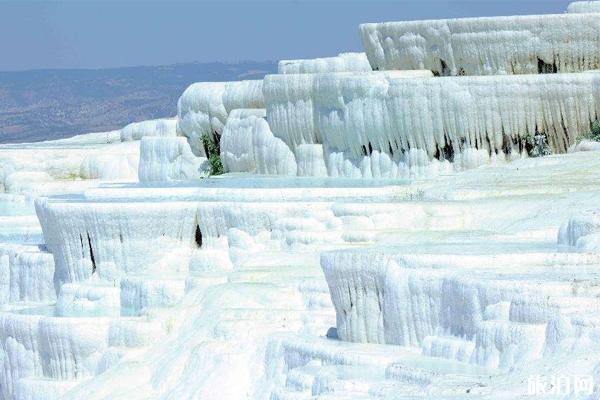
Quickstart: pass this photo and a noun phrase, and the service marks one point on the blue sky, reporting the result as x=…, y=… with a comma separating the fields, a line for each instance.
x=98, y=34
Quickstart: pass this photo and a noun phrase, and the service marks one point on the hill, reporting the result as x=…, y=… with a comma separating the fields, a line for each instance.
x=52, y=104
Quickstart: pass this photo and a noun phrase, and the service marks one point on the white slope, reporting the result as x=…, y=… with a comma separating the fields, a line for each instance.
x=582, y=231
x=486, y=46
x=466, y=279
x=584, y=7
x=203, y=108
x=585, y=145
x=155, y=127
x=75, y=163
x=48, y=167
x=169, y=159
x=459, y=268
x=248, y=145
x=386, y=125
x=343, y=62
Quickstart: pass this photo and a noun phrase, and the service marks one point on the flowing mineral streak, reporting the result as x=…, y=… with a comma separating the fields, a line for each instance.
x=584, y=7
x=344, y=62
x=528, y=44
x=359, y=123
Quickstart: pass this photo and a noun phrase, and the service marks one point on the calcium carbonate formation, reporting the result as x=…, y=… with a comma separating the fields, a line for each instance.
x=584, y=7
x=168, y=159
x=248, y=145
x=486, y=46
x=203, y=108
x=155, y=127
x=362, y=126
x=344, y=62
x=380, y=233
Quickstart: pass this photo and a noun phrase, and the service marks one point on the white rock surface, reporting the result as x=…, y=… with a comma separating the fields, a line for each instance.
x=585, y=145
x=475, y=285
x=582, y=231
x=343, y=62
x=584, y=7
x=365, y=129
x=246, y=286
x=155, y=127
x=76, y=300
x=27, y=274
x=203, y=108
x=169, y=159
x=486, y=46
x=248, y=145
x=45, y=166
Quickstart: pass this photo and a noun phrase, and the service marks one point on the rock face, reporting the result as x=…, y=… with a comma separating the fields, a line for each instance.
x=344, y=62
x=248, y=145
x=203, y=108
x=363, y=127
x=168, y=159
x=584, y=7
x=377, y=234
x=486, y=46
x=155, y=127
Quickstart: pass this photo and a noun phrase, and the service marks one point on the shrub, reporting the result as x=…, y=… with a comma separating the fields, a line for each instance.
x=537, y=145
x=212, y=149
x=595, y=131
x=592, y=134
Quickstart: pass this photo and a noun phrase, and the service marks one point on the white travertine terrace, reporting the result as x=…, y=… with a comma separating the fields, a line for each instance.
x=203, y=108
x=584, y=7
x=460, y=263
x=486, y=46
x=56, y=166
x=169, y=159
x=248, y=145
x=80, y=249
x=154, y=127
x=581, y=231
x=492, y=314
x=26, y=274
x=74, y=163
x=476, y=284
x=382, y=126
x=344, y=62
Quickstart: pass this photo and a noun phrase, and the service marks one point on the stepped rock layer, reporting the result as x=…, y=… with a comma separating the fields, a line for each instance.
x=154, y=127
x=344, y=62
x=486, y=46
x=26, y=273
x=474, y=285
x=248, y=145
x=581, y=231
x=112, y=240
x=168, y=159
x=247, y=287
x=45, y=166
x=584, y=7
x=379, y=125
x=114, y=232
x=203, y=108
x=70, y=164
x=481, y=304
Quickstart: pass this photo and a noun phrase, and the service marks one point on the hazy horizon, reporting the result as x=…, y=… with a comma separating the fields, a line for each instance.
x=107, y=34
x=83, y=69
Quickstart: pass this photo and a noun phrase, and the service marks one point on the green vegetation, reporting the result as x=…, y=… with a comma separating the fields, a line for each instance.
x=595, y=131
x=537, y=145
x=212, y=149
x=592, y=134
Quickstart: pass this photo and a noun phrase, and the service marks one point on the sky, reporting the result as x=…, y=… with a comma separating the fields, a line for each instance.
x=101, y=34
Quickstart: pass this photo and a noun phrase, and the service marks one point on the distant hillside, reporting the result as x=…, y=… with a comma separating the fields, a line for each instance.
x=51, y=104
